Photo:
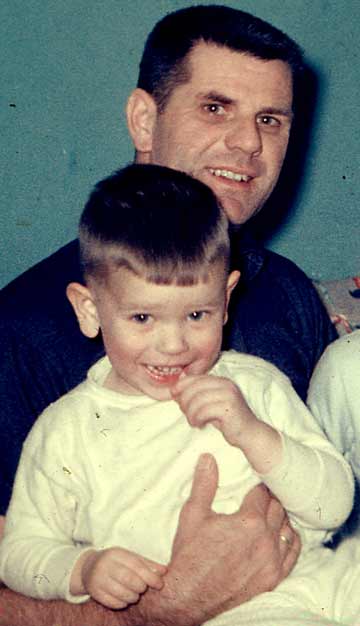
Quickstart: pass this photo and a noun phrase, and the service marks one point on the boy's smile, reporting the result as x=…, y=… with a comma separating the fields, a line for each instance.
x=165, y=375
x=155, y=333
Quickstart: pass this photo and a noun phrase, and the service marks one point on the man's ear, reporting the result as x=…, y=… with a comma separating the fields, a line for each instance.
x=232, y=281
x=141, y=113
x=85, y=309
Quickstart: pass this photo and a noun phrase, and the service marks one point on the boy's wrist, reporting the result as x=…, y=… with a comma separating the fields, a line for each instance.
x=77, y=585
x=262, y=446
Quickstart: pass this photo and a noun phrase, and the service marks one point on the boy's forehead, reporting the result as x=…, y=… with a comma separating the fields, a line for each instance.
x=123, y=282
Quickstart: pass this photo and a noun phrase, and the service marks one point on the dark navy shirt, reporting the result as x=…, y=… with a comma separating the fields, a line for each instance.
x=275, y=313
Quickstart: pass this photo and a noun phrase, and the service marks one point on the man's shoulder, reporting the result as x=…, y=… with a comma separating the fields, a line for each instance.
x=282, y=268
x=60, y=264
x=42, y=287
x=278, y=281
x=259, y=264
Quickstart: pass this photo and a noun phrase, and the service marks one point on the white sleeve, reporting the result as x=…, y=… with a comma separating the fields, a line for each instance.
x=312, y=480
x=37, y=553
x=314, y=486
x=334, y=396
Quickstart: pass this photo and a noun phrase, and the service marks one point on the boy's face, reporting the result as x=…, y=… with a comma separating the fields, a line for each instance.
x=153, y=333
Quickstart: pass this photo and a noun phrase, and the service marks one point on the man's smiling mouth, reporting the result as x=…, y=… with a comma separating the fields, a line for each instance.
x=240, y=178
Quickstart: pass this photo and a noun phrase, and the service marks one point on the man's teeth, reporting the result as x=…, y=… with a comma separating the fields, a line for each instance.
x=156, y=369
x=241, y=178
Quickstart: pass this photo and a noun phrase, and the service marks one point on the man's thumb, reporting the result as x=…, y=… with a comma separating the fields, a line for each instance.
x=205, y=482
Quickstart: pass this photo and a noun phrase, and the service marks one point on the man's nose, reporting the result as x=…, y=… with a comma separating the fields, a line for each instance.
x=244, y=135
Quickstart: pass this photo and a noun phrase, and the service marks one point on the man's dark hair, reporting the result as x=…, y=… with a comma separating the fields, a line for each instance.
x=164, y=64
x=157, y=222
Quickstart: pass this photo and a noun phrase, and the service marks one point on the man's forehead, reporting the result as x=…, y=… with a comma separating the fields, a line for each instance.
x=205, y=53
x=206, y=64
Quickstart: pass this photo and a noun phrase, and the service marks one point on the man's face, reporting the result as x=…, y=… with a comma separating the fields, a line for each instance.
x=228, y=126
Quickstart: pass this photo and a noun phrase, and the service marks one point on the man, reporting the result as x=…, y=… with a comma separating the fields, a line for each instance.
x=214, y=98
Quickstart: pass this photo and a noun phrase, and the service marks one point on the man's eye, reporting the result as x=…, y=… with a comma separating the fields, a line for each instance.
x=197, y=315
x=141, y=318
x=214, y=108
x=268, y=120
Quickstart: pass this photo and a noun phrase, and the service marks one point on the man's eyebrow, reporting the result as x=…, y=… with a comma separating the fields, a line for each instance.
x=215, y=96
x=285, y=111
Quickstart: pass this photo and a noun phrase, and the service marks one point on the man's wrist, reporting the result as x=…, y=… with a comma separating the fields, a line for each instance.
x=170, y=606
x=19, y=610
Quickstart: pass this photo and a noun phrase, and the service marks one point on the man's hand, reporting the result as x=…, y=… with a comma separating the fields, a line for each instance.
x=220, y=561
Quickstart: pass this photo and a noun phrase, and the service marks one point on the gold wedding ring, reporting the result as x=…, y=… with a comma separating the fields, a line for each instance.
x=285, y=540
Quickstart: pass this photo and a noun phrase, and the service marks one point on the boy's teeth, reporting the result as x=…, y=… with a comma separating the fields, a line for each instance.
x=164, y=370
x=231, y=175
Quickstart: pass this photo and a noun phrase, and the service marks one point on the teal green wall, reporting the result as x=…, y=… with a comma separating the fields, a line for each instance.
x=66, y=69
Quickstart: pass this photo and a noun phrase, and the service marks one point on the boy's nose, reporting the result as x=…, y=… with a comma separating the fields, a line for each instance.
x=172, y=340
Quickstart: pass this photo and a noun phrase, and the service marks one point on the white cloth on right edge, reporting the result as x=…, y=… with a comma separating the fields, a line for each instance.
x=334, y=396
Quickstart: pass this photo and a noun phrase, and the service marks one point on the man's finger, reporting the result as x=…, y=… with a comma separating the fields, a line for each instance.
x=198, y=505
x=292, y=556
x=276, y=515
x=205, y=482
x=258, y=499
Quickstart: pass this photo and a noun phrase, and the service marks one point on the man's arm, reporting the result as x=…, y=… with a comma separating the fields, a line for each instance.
x=218, y=562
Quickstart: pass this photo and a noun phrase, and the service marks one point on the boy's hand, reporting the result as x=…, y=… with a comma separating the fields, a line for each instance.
x=211, y=399
x=116, y=577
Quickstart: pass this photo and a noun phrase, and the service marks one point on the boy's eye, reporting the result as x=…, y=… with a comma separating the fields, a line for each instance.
x=197, y=315
x=141, y=318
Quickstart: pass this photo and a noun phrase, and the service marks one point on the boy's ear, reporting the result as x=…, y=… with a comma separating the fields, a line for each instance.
x=232, y=281
x=141, y=114
x=85, y=309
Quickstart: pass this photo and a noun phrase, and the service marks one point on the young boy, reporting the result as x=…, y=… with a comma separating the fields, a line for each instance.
x=107, y=468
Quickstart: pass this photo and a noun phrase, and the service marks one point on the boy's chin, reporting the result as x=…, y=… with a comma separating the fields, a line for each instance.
x=161, y=395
